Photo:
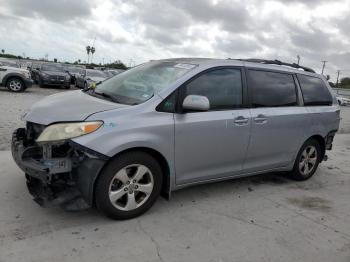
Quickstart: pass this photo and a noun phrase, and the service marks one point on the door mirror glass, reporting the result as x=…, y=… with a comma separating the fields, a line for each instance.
x=196, y=103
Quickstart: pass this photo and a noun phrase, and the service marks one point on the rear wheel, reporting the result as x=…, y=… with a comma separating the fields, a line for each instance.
x=128, y=186
x=307, y=160
x=15, y=84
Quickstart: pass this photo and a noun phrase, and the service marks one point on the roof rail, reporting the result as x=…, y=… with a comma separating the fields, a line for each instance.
x=277, y=62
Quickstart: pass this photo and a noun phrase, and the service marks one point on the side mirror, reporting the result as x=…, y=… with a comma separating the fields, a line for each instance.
x=196, y=103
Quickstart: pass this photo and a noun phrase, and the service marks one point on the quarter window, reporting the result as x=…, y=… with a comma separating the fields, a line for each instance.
x=272, y=89
x=314, y=91
x=223, y=88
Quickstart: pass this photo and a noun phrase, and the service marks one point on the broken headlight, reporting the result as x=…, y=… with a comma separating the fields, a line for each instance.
x=63, y=131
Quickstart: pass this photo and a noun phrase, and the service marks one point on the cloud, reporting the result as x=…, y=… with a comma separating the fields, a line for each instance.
x=144, y=30
x=53, y=10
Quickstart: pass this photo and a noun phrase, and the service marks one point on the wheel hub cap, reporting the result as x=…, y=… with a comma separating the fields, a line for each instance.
x=308, y=160
x=131, y=187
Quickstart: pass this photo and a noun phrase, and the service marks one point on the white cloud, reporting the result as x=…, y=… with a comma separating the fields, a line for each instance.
x=144, y=30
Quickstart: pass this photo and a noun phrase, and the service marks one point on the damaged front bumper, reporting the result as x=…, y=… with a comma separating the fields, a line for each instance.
x=58, y=174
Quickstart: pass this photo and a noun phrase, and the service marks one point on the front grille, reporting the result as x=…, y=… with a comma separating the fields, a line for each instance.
x=33, y=131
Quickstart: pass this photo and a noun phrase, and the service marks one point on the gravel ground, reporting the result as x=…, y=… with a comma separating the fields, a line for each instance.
x=14, y=105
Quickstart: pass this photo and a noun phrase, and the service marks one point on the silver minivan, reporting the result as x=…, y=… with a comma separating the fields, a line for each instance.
x=169, y=124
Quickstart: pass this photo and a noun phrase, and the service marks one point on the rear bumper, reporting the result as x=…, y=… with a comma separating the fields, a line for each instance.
x=66, y=181
x=329, y=139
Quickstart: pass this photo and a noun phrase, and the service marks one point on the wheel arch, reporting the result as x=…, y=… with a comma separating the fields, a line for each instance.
x=321, y=140
x=166, y=188
x=10, y=76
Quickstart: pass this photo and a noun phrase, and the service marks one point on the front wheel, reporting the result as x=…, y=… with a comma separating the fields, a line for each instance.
x=128, y=186
x=307, y=160
x=15, y=84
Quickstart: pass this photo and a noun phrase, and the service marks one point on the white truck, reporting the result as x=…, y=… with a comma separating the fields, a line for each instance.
x=15, y=79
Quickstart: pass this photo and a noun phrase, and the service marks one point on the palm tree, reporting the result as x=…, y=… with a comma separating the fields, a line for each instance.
x=92, y=52
x=88, y=49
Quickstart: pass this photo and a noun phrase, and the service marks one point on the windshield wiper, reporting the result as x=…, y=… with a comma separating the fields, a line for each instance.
x=108, y=96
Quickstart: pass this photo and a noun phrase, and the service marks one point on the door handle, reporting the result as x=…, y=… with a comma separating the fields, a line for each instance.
x=260, y=119
x=241, y=120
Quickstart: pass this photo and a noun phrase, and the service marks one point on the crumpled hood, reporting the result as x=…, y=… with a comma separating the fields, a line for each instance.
x=67, y=106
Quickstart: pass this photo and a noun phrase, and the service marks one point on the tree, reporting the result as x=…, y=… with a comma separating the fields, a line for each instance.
x=345, y=82
x=92, y=52
x=3, y=51
x=88, y=49
x=55, y=60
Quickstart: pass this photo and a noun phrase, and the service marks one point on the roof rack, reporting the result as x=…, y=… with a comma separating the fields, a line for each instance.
x=277, y=62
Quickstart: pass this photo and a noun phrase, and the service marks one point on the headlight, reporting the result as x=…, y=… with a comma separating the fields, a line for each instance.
x=64, y=131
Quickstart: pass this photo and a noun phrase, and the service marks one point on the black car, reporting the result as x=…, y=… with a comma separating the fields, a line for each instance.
x=34, y=71
x=53, y=75
x=74, y=72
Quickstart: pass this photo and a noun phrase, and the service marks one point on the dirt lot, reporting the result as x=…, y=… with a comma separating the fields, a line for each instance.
x=261, y=218
x=14, y=105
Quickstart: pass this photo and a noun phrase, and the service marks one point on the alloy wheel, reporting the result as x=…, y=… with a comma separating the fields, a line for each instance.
x=131, y=187
x=308, y=160
x=15, y=85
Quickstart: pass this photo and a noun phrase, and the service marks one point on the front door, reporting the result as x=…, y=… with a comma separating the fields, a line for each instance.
x=212, y=145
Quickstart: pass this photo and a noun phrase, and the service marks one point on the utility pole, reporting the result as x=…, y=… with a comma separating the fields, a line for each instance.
x=323, y=66
x=338, y=73
x=298, y=56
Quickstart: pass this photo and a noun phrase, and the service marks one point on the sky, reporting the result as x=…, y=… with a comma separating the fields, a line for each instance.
x=137, y=31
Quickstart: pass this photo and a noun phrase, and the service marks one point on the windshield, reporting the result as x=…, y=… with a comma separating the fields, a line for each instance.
x=74, y=70
x=140, y=83
x=58, y=68
x=95, y=73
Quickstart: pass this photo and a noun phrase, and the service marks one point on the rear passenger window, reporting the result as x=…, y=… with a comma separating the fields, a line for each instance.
x=271, y=89
x=223, y=88
x=314, y=90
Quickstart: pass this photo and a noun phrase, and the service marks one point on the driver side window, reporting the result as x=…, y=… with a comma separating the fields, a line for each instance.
x=223, y=88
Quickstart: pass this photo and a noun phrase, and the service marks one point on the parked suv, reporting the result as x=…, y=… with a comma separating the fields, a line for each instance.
x=52, y=75
x=169, y=124
x=14, y=78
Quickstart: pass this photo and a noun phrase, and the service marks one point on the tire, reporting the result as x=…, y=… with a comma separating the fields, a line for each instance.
x=40, y=83
x=118, y=195
x=15, y=84
x=307, y=160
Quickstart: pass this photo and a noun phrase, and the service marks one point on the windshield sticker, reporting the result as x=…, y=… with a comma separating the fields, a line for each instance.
x=185, y=66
